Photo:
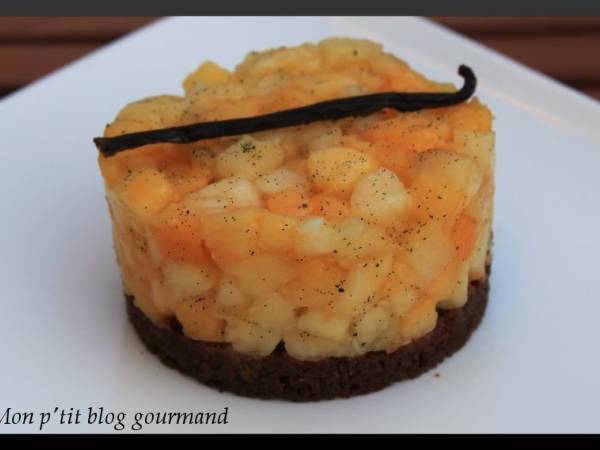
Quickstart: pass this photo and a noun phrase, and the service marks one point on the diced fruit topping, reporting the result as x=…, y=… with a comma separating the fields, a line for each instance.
x=335, y=237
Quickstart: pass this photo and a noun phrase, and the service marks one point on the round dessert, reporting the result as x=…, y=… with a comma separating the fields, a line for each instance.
x=307, y=262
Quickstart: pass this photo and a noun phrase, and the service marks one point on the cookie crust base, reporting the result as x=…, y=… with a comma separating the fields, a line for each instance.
x=278, y=375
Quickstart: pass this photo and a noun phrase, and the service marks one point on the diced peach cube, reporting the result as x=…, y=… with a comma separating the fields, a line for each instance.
x=147, y=193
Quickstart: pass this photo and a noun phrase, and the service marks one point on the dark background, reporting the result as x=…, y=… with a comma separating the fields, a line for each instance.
x=567, y=49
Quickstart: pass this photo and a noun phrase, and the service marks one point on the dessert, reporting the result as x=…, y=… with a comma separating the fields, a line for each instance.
x=311, y=261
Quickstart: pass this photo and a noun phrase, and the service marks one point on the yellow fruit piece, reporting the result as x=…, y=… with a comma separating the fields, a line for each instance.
x=380, y=197
x=455, y=168
x=370, y=328
x=398, y=295
x=147, y=114
x=271, y=311
x=111, y=173
x=154, y=156
x=186, y=179
x=162, y=297
x=277, y=233
x=390, y=157
x=277, y=61
x=402, y=271
x=357, y=241
x=314, y=236
x=481, y=208
x=479, y=145
x=479, y=257
x=451, y=286
x=429, y=250
x=189, y=281
x=481, y=205
x=342, y=85
x=318, y=284
x=470, y=115
x=176, y=235
x=318, y=136
x=229, y=298
x=147, y=193
x=250, y=338
x=232, y=234
x=362, y=283
x=345, y=50
x=412, y=132
x=281, y=179
x=420, y=320
x=260, y=274
x=249, y=158
x=208, y=73
x=444, y=182
x=339, y=168
x=464, y=236
x=434, y=198
x=304, y=346
x=325, y=325
x=199, y=321
x=144, y=301
x=225, y=194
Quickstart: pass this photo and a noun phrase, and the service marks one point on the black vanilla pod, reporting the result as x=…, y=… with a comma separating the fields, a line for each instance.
x=361, y=105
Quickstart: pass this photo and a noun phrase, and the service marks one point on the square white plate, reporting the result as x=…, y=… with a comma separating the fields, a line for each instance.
x=533, y=364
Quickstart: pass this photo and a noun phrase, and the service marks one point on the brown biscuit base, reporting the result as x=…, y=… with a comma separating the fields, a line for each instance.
x=278, y=375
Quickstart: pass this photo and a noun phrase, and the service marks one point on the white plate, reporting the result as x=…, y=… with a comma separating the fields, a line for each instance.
x=533, y=364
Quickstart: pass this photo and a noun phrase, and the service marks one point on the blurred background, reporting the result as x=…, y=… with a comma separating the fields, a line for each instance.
x=567, y=49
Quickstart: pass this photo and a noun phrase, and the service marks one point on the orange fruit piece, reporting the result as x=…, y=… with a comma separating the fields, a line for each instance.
x=464, y=236
x=290, y=203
